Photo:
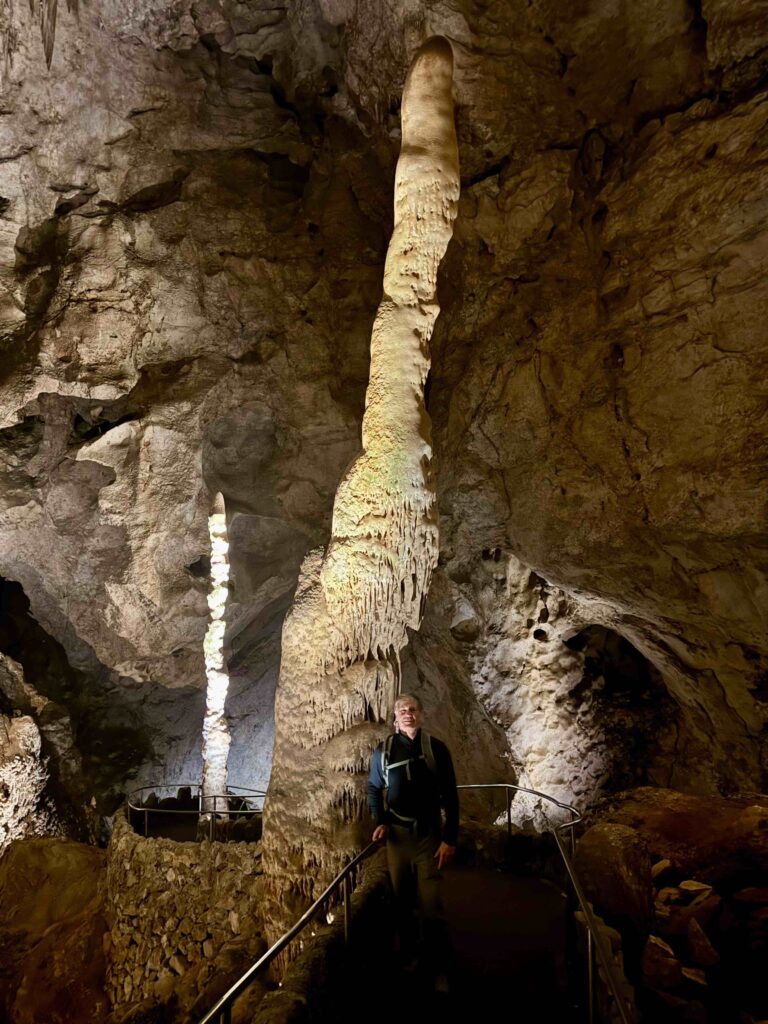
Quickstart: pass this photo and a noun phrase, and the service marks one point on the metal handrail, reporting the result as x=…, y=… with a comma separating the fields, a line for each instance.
x=595, y=938
x=200, y=812
x=221, y=1012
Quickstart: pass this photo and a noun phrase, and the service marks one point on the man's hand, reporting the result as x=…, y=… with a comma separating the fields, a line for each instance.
x=380, y=833
x=444, y=855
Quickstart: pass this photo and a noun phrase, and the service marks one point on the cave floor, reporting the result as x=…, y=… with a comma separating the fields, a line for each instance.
x=508, y=934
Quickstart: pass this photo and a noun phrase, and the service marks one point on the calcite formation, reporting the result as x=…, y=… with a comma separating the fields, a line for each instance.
x=216, y=737
x=353, y=605
x=23, y=776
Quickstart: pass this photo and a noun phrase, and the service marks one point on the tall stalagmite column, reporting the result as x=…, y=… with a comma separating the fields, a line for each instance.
x=216, y=737
x=341, y=639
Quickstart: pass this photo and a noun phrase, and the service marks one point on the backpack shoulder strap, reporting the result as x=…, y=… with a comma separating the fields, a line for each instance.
x=427, y=752
x=386, y=749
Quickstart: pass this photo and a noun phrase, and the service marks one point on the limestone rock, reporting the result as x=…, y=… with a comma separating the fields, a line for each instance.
x=52, y=932
x=661, y=969
x=25, y=808
x=709, y=836
x=702, y=952
x=615, y=871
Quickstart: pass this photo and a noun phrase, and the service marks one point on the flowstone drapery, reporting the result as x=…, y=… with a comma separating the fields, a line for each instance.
x=354, y=603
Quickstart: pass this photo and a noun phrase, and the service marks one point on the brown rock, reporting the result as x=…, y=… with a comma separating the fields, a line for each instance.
x=615, y=871
x=691, y=887
x=701, y=950
x=661, y=968
x=706, y=836
x=660, y=868
x=53, y=927
x=676, y=923
x=178, y=963
x=752, y=895
x=695, y=974
x=669, y=894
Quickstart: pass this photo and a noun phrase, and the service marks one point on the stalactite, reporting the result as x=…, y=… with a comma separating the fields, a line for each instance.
x=354, y=603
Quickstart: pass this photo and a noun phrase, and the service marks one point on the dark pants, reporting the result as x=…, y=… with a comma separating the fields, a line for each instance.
x=418, y=903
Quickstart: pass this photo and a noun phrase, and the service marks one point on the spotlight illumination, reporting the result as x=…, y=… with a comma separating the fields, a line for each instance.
x=215, y=728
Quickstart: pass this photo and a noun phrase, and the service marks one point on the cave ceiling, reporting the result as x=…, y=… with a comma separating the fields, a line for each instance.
x=196, y=203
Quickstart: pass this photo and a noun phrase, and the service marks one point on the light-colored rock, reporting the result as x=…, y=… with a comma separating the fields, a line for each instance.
x=661, y=867
x=155, y=936
x=696, y=975
x=25, y=810
x=661, y=968
x=692, y=887
x=356, y=602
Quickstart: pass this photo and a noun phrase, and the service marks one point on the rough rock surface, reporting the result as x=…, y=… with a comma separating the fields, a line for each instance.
x=26, y=805
x=194, y=213
x=178, y=915
x=355, y=602
x=705, y=837
x=615, y=870
x=51, y=933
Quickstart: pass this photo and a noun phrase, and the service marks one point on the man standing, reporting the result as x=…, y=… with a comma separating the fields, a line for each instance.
x=411, y=779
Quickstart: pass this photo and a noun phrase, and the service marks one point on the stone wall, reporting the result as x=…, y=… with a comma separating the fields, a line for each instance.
x=178, y=913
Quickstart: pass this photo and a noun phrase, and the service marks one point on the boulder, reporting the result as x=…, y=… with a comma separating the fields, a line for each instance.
x=615, y=871
x=52, y=933
x=661, y=968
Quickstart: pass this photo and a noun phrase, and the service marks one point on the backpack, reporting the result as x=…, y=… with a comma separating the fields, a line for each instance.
x=427, y=754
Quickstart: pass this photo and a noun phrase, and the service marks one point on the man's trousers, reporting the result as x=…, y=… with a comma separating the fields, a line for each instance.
x=416, y=885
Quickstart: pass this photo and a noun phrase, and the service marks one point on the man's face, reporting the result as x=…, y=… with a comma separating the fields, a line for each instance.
x=407, y=716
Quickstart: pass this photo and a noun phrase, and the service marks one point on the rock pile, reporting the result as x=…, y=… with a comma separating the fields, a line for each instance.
x=704, y=955
x=701, y=865
x=178, y=914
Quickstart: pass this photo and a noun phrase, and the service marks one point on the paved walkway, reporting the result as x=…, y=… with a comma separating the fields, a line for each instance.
x=508, y=935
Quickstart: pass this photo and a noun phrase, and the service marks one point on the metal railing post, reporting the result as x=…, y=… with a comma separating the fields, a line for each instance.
x=347, y=908
x=590, y=978
x=211, y=820
x=146, y=823
x=509, y=813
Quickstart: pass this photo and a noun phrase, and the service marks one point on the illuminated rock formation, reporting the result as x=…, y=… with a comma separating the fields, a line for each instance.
x=354, y=605
x=216, y=738
x=24, y=808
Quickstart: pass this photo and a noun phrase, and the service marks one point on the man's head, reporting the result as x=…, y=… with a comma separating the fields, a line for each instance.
x=408, y=714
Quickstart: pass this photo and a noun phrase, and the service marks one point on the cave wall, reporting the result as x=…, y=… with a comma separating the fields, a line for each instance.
x=196, y=202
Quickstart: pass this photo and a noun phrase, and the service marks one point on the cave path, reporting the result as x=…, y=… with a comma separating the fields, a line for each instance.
x=509, y=938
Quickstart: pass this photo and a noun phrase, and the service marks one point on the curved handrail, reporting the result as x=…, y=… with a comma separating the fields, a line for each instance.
x=594, y=932
x=209, y=806
x=222, y=1009
x=232, y=791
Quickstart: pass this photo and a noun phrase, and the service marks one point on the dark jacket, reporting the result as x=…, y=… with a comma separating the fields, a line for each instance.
x=422, y=795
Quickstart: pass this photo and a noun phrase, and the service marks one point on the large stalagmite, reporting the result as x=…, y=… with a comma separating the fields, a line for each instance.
x=354, y=603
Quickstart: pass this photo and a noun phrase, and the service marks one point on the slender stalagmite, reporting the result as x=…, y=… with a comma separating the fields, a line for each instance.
x=215, y=729
x=353, y=604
